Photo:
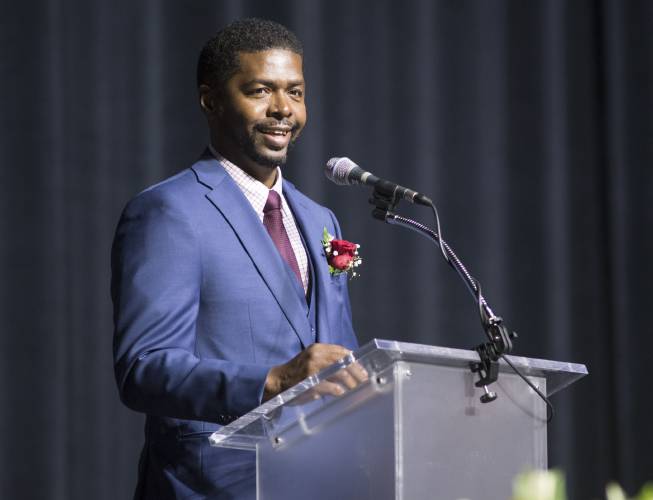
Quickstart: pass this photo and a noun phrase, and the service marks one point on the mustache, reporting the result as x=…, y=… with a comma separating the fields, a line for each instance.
x=277, y=123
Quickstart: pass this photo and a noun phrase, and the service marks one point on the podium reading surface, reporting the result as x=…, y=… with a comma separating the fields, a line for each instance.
x=415, y=429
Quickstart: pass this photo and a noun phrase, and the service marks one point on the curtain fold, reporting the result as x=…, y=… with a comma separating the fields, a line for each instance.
x=528, y=123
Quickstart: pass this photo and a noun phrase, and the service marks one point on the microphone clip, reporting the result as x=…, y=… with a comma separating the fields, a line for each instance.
x=500, y=343
x=385, y=202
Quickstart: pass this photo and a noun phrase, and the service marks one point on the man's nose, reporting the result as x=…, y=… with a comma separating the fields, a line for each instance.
x=279, y=105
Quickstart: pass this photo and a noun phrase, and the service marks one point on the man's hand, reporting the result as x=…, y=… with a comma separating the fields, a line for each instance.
x=308, y=362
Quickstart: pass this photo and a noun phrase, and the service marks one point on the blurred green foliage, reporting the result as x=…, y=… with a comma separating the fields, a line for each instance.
x=550, y=485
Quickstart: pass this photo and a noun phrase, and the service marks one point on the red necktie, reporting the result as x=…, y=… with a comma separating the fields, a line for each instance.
x=273, y=222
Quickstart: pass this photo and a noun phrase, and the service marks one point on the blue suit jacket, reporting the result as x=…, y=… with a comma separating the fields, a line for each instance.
x=204, y=306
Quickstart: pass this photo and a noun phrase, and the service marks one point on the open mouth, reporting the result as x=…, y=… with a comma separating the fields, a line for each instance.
x=276, y=138
x=282, y=132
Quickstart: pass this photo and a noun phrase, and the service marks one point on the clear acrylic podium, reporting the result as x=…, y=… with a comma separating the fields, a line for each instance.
x=414, y=429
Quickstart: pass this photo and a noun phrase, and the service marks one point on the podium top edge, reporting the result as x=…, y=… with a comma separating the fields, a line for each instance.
x=411, y=351
x=376, y=356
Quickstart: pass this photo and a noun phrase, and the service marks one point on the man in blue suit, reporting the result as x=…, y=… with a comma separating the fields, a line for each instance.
x=222, y=293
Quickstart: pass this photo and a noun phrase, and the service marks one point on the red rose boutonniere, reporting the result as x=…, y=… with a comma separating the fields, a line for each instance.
x=342, y=255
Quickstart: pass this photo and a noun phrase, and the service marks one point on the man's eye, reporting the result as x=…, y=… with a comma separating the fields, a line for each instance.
x=259, y=91
x=296, y=92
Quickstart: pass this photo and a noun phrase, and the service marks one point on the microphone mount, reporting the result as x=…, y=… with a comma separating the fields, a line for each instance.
x=499, y=337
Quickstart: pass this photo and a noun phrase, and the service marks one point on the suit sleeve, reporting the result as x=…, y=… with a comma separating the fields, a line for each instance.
x=156, y=278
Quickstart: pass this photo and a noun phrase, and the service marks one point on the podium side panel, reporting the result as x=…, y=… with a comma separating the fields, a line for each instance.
x=453, y=446
x=346, y=452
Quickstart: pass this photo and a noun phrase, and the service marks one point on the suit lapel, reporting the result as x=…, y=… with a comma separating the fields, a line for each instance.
x=225, y=195
x=311, y=226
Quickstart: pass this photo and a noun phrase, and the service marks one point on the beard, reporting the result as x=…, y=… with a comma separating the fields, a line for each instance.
x=248, y=144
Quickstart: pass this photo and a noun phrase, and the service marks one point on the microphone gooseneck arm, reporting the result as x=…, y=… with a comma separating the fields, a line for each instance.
x=499, y=337
x=453, y=260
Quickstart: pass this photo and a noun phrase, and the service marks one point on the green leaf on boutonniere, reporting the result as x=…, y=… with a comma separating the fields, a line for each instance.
x=326, y=238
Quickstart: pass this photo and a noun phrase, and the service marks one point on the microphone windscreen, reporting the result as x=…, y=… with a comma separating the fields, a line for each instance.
x=337, y=170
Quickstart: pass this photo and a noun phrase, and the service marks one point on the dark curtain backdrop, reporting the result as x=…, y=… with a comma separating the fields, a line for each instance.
x=530, y=124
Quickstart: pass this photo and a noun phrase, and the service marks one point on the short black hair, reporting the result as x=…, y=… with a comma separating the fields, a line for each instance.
x=219, y=57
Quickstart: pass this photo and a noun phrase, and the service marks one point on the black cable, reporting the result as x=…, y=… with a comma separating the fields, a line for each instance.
x=486, y=320
x=441, y=242
x=489, y=320
x=550, y=410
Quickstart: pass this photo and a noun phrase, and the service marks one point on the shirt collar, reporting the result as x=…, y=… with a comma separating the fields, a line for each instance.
x=255, y=191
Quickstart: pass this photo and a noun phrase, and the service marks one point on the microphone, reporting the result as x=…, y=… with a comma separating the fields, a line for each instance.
x=344, y=172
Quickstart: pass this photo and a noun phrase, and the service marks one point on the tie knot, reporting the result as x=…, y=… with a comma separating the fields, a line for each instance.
x=273, y=202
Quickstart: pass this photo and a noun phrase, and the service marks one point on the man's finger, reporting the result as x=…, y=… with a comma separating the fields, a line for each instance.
x=324, y=355
x=344, y=378
x=326, y=388
x=358, y=372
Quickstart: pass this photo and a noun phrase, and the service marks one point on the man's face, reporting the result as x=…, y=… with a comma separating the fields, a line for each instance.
x=261, y=109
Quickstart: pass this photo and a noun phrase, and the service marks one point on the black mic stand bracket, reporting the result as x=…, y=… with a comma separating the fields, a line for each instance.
x=499, y=338
x=489, y=353
x=385, y=202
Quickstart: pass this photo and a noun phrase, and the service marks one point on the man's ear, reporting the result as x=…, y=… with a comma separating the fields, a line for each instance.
x=209, y=101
